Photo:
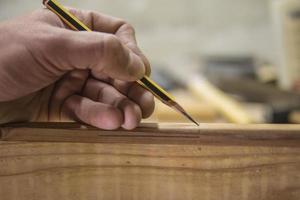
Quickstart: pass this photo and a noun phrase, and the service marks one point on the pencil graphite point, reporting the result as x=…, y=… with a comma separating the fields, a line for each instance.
x=177, y=107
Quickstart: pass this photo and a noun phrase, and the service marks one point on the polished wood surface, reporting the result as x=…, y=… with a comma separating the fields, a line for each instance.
x=165, y=161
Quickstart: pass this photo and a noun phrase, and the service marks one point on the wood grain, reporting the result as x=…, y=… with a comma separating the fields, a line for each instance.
x=173, y=161
x=228, y=134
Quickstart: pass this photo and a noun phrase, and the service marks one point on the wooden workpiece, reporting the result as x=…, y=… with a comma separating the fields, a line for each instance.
x=171, y=161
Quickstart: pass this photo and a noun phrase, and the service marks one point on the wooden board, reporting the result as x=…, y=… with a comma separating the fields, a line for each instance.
x=70, y=161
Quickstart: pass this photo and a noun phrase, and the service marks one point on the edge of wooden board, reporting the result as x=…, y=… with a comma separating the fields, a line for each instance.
x=152, y=133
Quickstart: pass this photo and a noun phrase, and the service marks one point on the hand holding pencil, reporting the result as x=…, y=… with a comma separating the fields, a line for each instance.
x=50, y=73
x=77, y=25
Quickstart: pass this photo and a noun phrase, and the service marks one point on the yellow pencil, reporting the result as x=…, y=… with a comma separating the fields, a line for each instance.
x=146, y=82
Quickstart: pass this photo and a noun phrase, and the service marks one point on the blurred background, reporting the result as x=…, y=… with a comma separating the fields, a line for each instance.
x=232, y=61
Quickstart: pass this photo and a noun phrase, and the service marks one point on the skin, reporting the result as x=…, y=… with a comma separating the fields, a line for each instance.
x=51, y=73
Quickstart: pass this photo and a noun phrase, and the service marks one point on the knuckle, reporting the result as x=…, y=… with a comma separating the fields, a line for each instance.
x=128, y=27
x=112, y=42
x=74, y=11
x=78, y=13
x=115, y=51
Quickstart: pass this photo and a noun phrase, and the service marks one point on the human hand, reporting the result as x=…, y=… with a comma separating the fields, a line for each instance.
x=51, y=73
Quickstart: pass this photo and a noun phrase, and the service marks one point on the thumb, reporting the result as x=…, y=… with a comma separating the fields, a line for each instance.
x=99, y=52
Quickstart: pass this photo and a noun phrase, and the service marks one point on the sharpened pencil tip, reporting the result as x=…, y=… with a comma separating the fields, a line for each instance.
x=190, y=118
x=182, y=111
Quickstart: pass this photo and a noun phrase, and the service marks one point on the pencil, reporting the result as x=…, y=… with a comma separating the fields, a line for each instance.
x=146, y=82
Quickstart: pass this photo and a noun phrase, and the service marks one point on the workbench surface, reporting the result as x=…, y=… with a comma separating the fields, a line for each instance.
x=166, y=161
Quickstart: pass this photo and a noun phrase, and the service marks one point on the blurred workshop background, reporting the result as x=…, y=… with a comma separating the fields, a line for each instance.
x=225, y=60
